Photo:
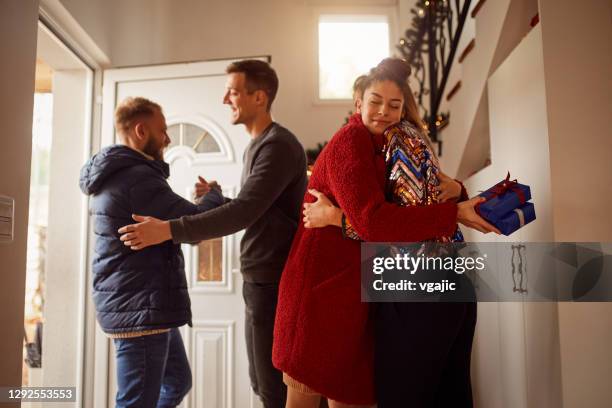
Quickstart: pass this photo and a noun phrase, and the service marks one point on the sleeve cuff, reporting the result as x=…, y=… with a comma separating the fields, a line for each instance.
x=464, y=194
x=348, y=231
x=178, y=231
x=447, y=221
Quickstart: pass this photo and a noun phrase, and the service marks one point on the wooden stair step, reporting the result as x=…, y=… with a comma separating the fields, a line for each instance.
x=467, y=50
x=453, y=91
x=477, y=8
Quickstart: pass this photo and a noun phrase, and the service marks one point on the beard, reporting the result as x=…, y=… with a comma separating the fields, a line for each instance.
x=154, y=149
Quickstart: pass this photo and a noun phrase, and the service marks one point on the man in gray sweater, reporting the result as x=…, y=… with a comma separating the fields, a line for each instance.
x=268, y=206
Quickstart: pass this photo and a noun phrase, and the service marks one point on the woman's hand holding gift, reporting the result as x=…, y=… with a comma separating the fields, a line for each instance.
x=466, y=215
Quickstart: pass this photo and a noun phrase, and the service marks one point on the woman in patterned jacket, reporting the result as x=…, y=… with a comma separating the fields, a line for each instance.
x=324, y=339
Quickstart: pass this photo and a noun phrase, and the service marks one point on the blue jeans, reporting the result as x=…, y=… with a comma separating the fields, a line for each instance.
x=152, y=371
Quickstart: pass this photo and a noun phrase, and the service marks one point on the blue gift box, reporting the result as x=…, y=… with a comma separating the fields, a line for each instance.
x=497, y=206
x=516, y=218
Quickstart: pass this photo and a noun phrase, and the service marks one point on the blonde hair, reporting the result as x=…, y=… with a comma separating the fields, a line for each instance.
x=132, y=109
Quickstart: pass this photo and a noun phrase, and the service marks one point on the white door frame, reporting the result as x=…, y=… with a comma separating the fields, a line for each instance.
x=56, y=25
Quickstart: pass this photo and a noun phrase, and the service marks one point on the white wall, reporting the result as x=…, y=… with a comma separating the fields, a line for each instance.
x=18, y=25
x=95, y=16
x=578, y=88
x=579, y=104
x=64, y=255
x=546, y=126
x=84, y=24
x=521, y=367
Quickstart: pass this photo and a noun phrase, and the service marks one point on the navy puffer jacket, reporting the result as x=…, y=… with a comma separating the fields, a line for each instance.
x=136, y=290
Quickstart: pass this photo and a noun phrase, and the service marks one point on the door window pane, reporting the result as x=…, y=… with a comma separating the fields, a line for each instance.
x=187, y=134
x=210, y=255
x=199, y=139
x=174, y=132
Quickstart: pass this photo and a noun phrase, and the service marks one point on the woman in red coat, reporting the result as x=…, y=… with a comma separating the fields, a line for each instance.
x=323, y=339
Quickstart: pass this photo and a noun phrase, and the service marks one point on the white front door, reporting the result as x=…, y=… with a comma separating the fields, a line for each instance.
x=203, y=143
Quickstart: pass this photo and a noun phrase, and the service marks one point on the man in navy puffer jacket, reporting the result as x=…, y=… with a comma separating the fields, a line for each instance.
x=141, y=298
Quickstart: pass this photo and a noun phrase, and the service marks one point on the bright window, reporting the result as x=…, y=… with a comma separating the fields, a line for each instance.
x=38, y=223
x=348, y=47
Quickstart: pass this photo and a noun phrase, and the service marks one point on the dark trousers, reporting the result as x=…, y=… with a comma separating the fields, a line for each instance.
x=422, y=354
x=260, y=300
x=152, y=371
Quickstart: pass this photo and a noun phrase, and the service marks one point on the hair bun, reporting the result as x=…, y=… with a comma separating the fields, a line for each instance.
x=396, y=67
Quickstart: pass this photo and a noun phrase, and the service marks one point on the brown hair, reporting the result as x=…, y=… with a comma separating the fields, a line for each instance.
x=358, y=87
x=132, y=109
x=259, y=75
x=398, y=71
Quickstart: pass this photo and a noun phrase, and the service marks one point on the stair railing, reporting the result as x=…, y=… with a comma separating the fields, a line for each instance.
x=434, y=33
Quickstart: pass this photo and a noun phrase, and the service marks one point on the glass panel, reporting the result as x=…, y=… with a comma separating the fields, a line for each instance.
x=174, y=132
x=199, y=139
x=348, y=47
x=208, y=144
x=210, y=254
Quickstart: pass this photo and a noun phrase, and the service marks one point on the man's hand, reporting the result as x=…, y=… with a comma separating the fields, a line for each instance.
x=449, y=189
x=201, y=187
x=467, y=215
x=149, y=231
x=214, y=185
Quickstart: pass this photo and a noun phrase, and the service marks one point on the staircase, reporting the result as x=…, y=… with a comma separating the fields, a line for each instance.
x=478, y=37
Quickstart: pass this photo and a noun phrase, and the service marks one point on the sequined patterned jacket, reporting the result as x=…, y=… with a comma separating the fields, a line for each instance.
x=412, y=174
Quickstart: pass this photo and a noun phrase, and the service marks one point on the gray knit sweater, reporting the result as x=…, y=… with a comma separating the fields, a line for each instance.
x=268, y=206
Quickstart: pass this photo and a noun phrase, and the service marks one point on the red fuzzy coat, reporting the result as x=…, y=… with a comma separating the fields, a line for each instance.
x=322, y=335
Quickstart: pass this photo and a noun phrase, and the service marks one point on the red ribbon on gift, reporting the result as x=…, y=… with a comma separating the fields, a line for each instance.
x=504, y=187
